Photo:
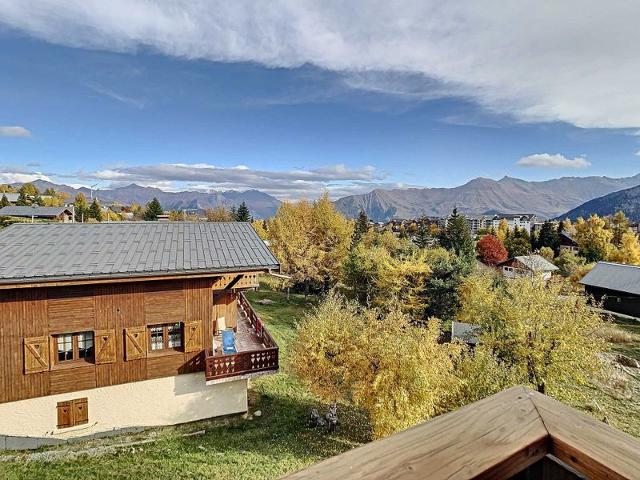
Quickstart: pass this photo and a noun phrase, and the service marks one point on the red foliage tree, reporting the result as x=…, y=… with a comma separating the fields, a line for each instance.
x=491, y=250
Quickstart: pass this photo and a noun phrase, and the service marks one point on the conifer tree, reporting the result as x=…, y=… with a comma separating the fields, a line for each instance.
x=457, y=236
x=152, y=210
x=243, y=214
x=94, y=210
x=4, y=202
x=361, y=227
x=423, y=235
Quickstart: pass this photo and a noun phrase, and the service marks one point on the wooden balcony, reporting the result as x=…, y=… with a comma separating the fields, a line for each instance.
x=517, y=434
x=257, y=350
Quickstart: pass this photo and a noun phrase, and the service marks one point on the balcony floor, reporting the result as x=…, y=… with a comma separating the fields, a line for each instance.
x=246, y=338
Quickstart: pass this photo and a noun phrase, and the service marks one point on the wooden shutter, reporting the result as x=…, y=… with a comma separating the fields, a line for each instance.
x=193, y=337
x=105, y=345
x=80, y=411
x=135, y=342
x=65, y=414
x=36, y=354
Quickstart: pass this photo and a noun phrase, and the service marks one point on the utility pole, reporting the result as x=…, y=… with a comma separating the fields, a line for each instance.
x=91, y=190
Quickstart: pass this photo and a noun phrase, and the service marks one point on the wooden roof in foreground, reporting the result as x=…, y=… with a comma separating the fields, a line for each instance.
x=494, y=438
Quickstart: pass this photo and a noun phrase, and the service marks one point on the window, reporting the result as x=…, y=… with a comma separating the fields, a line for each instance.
x=165, y=337
x=74, y=346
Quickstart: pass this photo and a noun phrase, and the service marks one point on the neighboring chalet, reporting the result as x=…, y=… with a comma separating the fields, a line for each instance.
x=110, y=326
x=616, y=286
x=527, y=266
x=568, y=244
x=517, y=434
x=56, y=214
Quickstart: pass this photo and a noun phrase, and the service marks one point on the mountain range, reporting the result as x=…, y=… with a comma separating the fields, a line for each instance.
x=627, y=201
x=483, y=196
x=260, y=204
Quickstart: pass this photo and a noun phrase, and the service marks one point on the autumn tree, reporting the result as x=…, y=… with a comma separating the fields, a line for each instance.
x=491, y=250
x=260, y=226
x=242, y=213
x=547, y=253
x=398, y=373
x=6, y=188
x=153, y=210
x=593, y=238
x=549, y=338
x=457, y=236
x=383, y=273
x=29, y=190
x=218, y=214
x=503, y=230
x=629, y=250
x=81, y=207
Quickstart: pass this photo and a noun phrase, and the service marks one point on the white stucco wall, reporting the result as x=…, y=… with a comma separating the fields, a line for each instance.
x=162, y=401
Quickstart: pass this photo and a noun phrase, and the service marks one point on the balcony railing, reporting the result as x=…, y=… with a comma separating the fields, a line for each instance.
x=248, y=362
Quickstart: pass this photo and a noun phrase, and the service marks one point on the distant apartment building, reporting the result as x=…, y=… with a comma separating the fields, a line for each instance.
x=520, y=220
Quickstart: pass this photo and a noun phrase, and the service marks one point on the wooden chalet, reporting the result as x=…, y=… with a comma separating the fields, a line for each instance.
x=517, y=434
x=615, y=286
x=111, y=326
x=527, y=266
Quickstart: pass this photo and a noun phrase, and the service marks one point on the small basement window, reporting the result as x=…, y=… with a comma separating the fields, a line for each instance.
x=73, y=412
x=165, y=337
x=74, y=346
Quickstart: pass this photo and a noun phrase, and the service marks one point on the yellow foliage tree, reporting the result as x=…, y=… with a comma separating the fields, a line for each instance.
x=311, y=240
x=503, y=230
x=549, y=339
x=629, y=250
x=398, y=373
x=218, y=214
x=593, y=238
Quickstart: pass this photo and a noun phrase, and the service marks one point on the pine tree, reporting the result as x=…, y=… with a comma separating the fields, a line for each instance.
x=361, y=227
x=37, y=200
x=619, y=225
x=457, y=236
x=152, y=210
x=423, y=236
x=548, y=237
x=243, y=214
x=4, y=202
x=95, y=211
x=22, y=199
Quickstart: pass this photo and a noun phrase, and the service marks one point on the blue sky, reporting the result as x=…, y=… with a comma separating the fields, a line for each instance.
x=84, y=100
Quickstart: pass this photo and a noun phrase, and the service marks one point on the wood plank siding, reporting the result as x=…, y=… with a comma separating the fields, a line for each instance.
x=109, y=310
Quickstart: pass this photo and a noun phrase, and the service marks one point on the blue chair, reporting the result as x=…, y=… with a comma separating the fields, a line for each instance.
x=228, y=341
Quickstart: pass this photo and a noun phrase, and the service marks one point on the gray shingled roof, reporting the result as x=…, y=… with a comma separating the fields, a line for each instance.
x=73, y=251
x=614, y=276
x=28, y=211
x=537, y=263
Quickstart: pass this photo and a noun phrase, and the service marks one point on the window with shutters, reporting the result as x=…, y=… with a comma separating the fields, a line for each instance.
x=74, y=347
x=73, y=412
x=165, y=337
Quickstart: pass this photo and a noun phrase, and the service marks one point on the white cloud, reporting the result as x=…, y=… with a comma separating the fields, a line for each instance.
x=638, y=153
x=14, y=131
x=574, y=61
x=547, y=160
x=22, y=177
x=291, y=184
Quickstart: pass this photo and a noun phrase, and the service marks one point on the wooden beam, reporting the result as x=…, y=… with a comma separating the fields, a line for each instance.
x=587, y=445
x=494, y=438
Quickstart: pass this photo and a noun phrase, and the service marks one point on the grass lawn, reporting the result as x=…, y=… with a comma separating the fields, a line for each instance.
x=236, y=448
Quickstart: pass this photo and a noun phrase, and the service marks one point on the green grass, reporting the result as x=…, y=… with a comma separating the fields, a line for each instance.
x=236, y=448
x=630, y=346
